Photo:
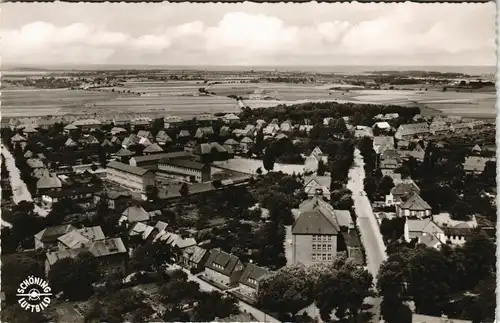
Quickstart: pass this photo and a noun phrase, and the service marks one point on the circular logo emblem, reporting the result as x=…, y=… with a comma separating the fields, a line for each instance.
x=34, y=294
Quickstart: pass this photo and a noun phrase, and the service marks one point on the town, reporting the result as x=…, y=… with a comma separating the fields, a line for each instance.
x=310, y=212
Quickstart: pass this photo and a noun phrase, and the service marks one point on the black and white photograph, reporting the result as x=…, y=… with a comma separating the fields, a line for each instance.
x=248, y=162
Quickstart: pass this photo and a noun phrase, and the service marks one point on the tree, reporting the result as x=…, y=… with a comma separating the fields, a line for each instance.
x=269, y=159
x=385, y=186
x=214, y=305
x=75, y=276
x=341, y=287
x=184, y=190
x=286, y=290
x=18, y=267
x=113, y=308
x=16, y=314
x=179, y=291
x=152, y=192
x=152, y=256
x=321, y=168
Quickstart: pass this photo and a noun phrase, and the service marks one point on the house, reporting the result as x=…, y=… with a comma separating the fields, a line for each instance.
x=271, y=129
x=231, y=142
x=172, y=121
x=425, y=231
x=48, y=183
x=456, y=232
x=80, y=237
x=224, y=131
x=135, y=213
x=116, y=200
x=87, y=124
x=249, y=280
x=223, y=268
x=400, y=191
x=131, y=140
x=17, y=139
x=152, y=161
x=418, y=153
x=116, y=141
x=140, y=121
x=145, y=134
x=476, y=149
x=246, y=143
x=183, y=134
x=144, y=232
x=209, y=152
x=144, y=142
x=409, y=131
x=48, y=236
x=475, y=164
x=317, y=232
x=124, y=152
x=311, y=162
x=185, y=169
x=204, y=132
x=134, y=178
x=175, y=240
x=106, y=143
x=70, y=128
x=389, y=162
x=29, y=130
x=152, y=149
x=111, y=254
x=91, y=140
x=286, y=126
x=162, y=138
x=438, y=128
x=230, y=118
x=413, y=206
x=460, y=127
x=363, y=131
x=382, y=125
x=117, y=130
x=382, y=143
x=194, y=258
x=121, y=120
x=77, y=194
x=317, y=185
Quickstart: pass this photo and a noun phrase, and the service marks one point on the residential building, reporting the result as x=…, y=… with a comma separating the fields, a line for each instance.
x=47, y=238
x=175, y=240
x=439, y=127
x=204, y=132
x=382, y=143
x=162, y=138
x=77, y=194
x=382, y=125
x=418, y=153
x=230, y=118
x=152, y=149
x=47, y=183
x=118, y=130
x=223, y=268
x=400, y=191
x=425, y=231
x=194, y=258
x=135, y=213
x=140, y=121
x=79, y=238
x=317, y=185
x=249, y=280
x=134, y=178
x=286, y=126
x=172, y=121
x=145, y=134
x=317, y=232
x=184, y=169
x=389, y=162
x=413, y=206
x=409, y=131
x=475, y=164
x=311, y=163
x=460, y=127
x=209, y=152
x=116, y=200
x=271, y=129
x=87, y=124
x=111, y=254
x=363, y=131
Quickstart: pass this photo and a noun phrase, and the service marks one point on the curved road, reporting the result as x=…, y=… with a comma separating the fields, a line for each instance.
x=371, y=238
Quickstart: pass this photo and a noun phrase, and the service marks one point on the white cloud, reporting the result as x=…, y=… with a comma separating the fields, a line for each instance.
x=405, y=32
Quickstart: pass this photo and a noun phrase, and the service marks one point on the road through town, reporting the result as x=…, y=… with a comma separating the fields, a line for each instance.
x=369, y=229
x=20, y=191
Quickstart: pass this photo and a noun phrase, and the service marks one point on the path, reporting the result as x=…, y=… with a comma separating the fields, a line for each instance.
x=367, y=224
x=20, y=191
x=258, y=314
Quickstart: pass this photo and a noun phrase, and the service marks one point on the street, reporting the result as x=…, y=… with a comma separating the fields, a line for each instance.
x=20, y=191
x=204, y=286
x=369, y=229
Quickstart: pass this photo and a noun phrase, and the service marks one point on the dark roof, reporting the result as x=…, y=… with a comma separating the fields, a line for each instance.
x=73, y=191
x=183, y=163
x=405, y=188
x=123, y=152
x=251, y=274
x=316, y=217
x=176, y=154
x=152, y=148
x=127, y=168
x=218, y=258
x=207, y=148
x=454, y=231
x=415, y=203
x=51, y=234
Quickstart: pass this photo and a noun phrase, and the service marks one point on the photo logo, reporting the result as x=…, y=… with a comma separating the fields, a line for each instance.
x=34, y=293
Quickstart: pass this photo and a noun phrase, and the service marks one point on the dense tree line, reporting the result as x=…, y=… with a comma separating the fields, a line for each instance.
x=452, y=280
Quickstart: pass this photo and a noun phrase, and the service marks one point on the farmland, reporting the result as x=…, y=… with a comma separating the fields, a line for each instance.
x=183, y=98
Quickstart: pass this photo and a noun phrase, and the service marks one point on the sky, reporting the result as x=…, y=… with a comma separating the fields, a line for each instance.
x=307, y=34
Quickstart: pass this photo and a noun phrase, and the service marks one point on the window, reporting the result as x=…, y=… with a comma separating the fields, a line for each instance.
x=329, y=257
x=324, y=257
x=314, y=256
x=314, y=246
x=329, y=238
x=314, y=238
x=329, y=247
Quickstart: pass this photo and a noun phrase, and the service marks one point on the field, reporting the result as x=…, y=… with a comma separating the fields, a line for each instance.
x=183, y=98
x=249, y=166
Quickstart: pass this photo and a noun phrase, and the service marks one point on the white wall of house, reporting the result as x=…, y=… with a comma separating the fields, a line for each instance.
x=308, y=251
x=217, y=277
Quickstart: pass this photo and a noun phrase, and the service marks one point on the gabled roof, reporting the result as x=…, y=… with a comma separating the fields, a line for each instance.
x=51, y=234
x=73, y=240
x=48, y=181
x=162, y=136
x=206, y=148
x=87, y=122
x=107, y=247
x=116, y=130
x=231, y=116
x=171, y=155
x=154, y=148
x=135, y=213
x=144, y=134
x=405, y=188
x=246, y=140
x=106, y=143
x=144, y=142
x=231, y=141
x=17, y=137
x=183, y=133
x=123, y=152
x=194, y=254
x=424, y=226
x=185, y=163
x=316, y=217
x=252, y=274
x=127, y=168
x=415, y=203
x=227, y=262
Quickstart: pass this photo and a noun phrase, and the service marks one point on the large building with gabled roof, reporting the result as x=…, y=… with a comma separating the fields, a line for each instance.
x=317, y=234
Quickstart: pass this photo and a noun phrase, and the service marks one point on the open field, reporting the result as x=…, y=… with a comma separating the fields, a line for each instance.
x=182, y=98
x=249, y=166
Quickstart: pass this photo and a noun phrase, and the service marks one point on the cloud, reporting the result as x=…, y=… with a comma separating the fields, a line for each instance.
x=405, y=33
